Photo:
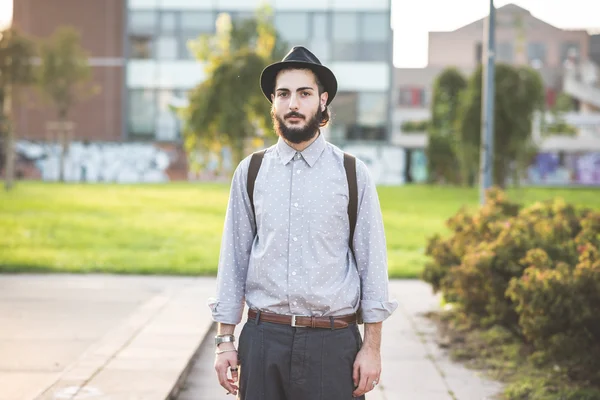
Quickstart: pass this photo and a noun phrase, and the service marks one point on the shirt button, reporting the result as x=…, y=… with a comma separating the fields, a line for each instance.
x=298, y=171
x=294, y=273
x=295, y=204
x=295, y=239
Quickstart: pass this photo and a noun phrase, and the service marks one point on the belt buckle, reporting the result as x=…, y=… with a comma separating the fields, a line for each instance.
x=294, y=321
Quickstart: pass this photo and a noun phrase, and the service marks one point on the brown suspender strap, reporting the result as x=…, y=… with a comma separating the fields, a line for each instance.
x=255, y=162
x=350, y=166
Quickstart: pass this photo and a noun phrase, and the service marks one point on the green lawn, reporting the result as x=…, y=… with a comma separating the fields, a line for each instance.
x=176, y=228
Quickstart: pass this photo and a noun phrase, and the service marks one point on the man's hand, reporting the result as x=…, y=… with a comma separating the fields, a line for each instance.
x=367, y=369
x=224, y=363
x=227, y=361
x=367, y=365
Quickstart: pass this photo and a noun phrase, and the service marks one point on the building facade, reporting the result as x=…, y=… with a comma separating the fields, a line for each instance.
x=143, y=67
x=565, y=60
x=354, y=38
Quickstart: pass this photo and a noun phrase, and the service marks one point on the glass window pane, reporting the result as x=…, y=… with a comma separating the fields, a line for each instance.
x=142, y=109
x=168, y=22
x=292, y=26
x=505, y=52
x=198, y=21
x=166, y=48
x=167, y=127
x=372, y=109
x=141, y=47
x=536, y=51
x=143, y=21
x=319, y=28
x=320, y=48
x=345, y=27
x=375, y=51
x=345, y=51
x=375, y=27
x=184, y=50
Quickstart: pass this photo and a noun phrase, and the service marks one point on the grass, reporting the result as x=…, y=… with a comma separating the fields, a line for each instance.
x=504, y=357
x=176, y=228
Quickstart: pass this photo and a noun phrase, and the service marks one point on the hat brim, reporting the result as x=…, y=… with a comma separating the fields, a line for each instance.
x=325, y=75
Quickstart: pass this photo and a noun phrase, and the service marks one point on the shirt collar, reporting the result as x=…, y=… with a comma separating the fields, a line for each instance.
x=311, y=154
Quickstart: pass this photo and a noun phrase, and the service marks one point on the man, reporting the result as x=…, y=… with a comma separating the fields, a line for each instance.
x=287, y=254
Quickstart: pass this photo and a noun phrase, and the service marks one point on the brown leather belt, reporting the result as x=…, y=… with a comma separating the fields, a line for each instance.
x=338, y=322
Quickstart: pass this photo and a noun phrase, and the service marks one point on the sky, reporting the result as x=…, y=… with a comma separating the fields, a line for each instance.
x=412, y=19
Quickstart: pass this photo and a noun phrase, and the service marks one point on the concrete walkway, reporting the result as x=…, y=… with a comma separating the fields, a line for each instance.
x=121, y=337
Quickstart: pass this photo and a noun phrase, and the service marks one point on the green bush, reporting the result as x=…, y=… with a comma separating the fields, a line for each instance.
x=534, y=271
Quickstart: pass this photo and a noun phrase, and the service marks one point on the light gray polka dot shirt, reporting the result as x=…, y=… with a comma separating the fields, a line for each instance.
x=299, y=261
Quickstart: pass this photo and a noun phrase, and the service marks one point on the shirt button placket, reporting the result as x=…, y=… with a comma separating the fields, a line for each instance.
x=296, y=233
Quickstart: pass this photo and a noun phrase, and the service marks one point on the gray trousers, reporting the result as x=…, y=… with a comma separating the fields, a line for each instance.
x=280, y=362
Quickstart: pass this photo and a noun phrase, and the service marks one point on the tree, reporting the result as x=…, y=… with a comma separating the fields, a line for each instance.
x=228, y=108
x=519, y=93
x=16, y=54
x=441, y=149
x=64, y=79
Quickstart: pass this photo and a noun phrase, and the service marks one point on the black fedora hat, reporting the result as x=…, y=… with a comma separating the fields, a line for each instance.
x=299, y=57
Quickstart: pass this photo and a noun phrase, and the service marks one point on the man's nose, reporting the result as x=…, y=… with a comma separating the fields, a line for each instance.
x=294, y=102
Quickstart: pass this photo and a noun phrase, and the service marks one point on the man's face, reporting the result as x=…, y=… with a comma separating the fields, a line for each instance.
x=297, y=105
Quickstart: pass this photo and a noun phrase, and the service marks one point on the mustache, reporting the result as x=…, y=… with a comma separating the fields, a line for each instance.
x=294, y=114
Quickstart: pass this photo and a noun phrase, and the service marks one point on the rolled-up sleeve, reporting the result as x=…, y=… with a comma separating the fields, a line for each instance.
x=370, y=251
x=238, y=235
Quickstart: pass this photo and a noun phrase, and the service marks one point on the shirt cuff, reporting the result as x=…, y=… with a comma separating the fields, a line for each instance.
x=225, y=313
x=377, y=311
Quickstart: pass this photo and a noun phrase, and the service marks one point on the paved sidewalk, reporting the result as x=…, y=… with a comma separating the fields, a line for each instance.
x=123, y=337
x=414, y=367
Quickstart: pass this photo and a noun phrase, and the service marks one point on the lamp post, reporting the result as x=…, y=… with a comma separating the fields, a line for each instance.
x=487, y=109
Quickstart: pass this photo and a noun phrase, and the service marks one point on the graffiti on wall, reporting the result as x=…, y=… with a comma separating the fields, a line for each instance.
x=103, y=162
x=558, y=168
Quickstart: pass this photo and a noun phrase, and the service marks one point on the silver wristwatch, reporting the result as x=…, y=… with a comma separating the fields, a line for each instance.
x=224, y=339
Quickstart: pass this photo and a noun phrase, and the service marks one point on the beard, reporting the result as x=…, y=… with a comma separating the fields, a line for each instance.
x=297, y=134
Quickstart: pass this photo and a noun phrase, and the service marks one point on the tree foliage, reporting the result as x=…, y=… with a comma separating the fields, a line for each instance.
x=64, y=78
x=228, y=107
x=16, y=55
x=441, y=153
x=519, y=92
x=64, y=73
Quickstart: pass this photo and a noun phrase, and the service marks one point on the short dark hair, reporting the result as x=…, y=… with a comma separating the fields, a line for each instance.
x=325, y=113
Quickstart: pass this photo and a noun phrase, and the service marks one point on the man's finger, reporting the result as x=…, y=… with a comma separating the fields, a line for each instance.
x=356, y=374
x=362, y=385
x=221, y=369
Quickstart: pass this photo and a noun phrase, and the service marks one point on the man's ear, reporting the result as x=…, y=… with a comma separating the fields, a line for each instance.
x=324, y=97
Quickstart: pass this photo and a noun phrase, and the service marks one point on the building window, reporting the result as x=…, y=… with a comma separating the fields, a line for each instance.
x=141, y=47
x=142, y=111
x=143, y=21
x=417, y=97
x=168, y=22
x=293, y=27
x=345, y=37
x=150, y=114
x=375, y=31
x=569, y=50
x=166, y=48
x=504, y=52
x=536, y=52
x=193, y=25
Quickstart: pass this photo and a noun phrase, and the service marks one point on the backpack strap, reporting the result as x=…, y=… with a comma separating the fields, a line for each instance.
x=350, y=167
x=255, y=162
